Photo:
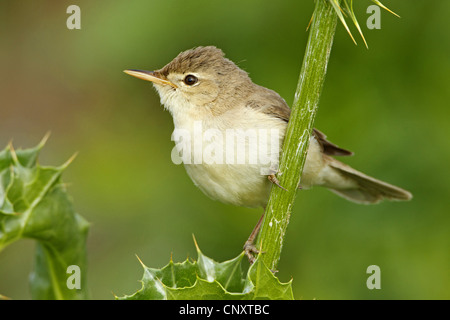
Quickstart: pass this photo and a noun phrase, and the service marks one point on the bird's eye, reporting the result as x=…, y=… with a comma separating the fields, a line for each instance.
x=190, y=80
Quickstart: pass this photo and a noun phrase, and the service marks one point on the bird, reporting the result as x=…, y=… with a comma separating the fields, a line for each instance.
x=207, y=94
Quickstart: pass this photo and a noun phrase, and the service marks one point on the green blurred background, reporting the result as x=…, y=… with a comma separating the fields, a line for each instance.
x=389, y=104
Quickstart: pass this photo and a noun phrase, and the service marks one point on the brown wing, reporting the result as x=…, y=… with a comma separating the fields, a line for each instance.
x=330, y=148
x=269, y=102
x=273, y=104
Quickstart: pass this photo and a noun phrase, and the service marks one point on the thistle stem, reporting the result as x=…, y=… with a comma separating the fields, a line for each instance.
x=293, y=155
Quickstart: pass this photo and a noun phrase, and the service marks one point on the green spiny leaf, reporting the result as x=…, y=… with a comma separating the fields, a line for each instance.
x=34, y=204
x=228, y=273
x=207, y=279
x=263, y=284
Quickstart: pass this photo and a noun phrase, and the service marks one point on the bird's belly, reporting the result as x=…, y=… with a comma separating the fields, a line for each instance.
x=246, y=184
x=236, y=184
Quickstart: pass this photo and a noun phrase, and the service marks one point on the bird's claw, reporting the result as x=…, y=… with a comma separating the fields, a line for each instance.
x=273, y=178
x=250, y=251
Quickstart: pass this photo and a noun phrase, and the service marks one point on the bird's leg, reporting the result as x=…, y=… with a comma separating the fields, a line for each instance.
x=249, y=246
x=273, y=178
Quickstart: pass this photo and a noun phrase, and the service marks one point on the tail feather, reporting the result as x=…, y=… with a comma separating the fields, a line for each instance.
x=366, y=189
x=358, y=195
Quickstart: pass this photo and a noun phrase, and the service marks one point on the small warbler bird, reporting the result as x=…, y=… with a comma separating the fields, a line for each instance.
x=211, y=99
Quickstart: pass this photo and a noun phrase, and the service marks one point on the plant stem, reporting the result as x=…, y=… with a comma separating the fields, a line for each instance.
x=296, y=141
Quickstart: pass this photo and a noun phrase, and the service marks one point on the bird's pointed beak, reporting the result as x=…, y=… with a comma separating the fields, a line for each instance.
x=152, y=76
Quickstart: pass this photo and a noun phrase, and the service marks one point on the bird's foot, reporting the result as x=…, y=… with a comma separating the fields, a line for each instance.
x=273, y=178
x=250, y=251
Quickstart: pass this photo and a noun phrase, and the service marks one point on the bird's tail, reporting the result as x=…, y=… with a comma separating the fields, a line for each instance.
x=362, y=188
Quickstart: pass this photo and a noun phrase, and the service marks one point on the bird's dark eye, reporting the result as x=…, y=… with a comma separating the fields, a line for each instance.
x=190, y=80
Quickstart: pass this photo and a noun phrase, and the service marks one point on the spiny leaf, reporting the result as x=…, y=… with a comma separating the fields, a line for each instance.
x=34, y=204
x=207, y=279
x=228, y=273
x=265, y=285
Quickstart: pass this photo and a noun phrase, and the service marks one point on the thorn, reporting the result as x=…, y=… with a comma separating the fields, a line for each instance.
x=140, y=261
x=69, y=161
x=385, y=8
x=195, y=243
x=13, y=154
x=10, y=143
x=355, y=21
x=310, y=21
x=337, y=8
x=44, y=140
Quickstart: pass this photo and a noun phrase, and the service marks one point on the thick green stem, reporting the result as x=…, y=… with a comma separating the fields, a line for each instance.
x=301, y=122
